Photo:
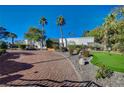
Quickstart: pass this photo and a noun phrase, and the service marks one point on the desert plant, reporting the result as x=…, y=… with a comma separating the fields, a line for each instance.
x=85, y=53
x=22, y=46
x=71, y=48
x=3, y=45
x=79, y=48
x=52, y=44
x=103, y=72
x=2, y=51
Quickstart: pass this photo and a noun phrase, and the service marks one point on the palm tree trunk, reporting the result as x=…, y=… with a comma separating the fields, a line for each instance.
x=61, y=36
x=42, y=35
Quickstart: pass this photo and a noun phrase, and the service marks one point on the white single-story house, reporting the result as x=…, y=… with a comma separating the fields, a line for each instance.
x=76, y=41
x=37, y=44
x=66, y=41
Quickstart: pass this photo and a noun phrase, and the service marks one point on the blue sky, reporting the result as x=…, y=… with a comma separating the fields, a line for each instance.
x=19, y=19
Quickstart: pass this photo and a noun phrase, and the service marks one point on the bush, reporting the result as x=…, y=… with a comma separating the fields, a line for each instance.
x=118, y=47
x=22, y=46
x=2, y=51
x=85, y=53
x=63, y=49
x=56, y=47
x=52, y=44
x=71, y=48
x=103, y=72
x=3, y=45
x=15, y=46
x=49, y=43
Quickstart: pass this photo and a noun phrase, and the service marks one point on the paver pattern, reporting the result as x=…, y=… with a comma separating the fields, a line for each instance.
x=28, y=68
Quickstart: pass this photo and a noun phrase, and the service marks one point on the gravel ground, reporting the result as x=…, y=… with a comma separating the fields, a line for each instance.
x=88, y=72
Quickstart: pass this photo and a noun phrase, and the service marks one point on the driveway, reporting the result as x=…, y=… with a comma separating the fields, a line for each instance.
x=27, y=68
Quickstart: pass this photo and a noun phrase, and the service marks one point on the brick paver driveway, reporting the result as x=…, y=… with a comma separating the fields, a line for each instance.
x=27, y=68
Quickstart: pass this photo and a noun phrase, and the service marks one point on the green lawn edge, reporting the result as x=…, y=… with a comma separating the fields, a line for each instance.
x=98, y=62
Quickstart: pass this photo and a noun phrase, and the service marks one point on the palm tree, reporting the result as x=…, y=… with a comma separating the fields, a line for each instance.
x=61, y=22
x=43, y=22
x=109, y=26
x=12, y=36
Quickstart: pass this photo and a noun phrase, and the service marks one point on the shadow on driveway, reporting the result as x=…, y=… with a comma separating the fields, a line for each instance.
x=8, y=66
x=11, y=78
x=57, y=59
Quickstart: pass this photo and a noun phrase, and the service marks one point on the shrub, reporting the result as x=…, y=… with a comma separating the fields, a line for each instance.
x=85, y=53
x=121, y=48
x=2, y=51
x=103, y=72
x=79, y=48
x=15, y=46
x=49, y=43
x=56, y=47
x=3, y=45
x=22, y=46
x=52, y=44
x=63, y=49
x=118, y=47
x=71, y=48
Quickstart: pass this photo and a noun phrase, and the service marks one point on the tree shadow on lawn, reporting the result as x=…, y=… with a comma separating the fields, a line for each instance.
x=8, y=66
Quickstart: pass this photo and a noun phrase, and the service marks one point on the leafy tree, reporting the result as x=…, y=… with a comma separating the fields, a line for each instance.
x=85, y=33
x=12, y=36
x=111, y=32
x=43, y=22
x=61, y=22
x=97, y=33
x=33, y=34
x=109, y=29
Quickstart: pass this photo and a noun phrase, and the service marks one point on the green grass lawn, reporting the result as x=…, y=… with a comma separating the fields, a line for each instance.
x=113, y=61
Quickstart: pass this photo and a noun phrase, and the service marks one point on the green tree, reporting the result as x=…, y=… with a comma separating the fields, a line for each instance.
x=43, y=22
x=12, y=36
x=33, y=34
x=85, y=33
x=97, y=33
x=61, y=22
x=109, y=28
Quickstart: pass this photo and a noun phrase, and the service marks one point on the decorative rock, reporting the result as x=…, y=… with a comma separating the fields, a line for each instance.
x=81, y=61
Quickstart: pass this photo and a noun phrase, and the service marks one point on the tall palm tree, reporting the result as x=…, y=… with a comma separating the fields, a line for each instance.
x=60, y=23
x=109, y=26
x=43, y=22
x=12, y=36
